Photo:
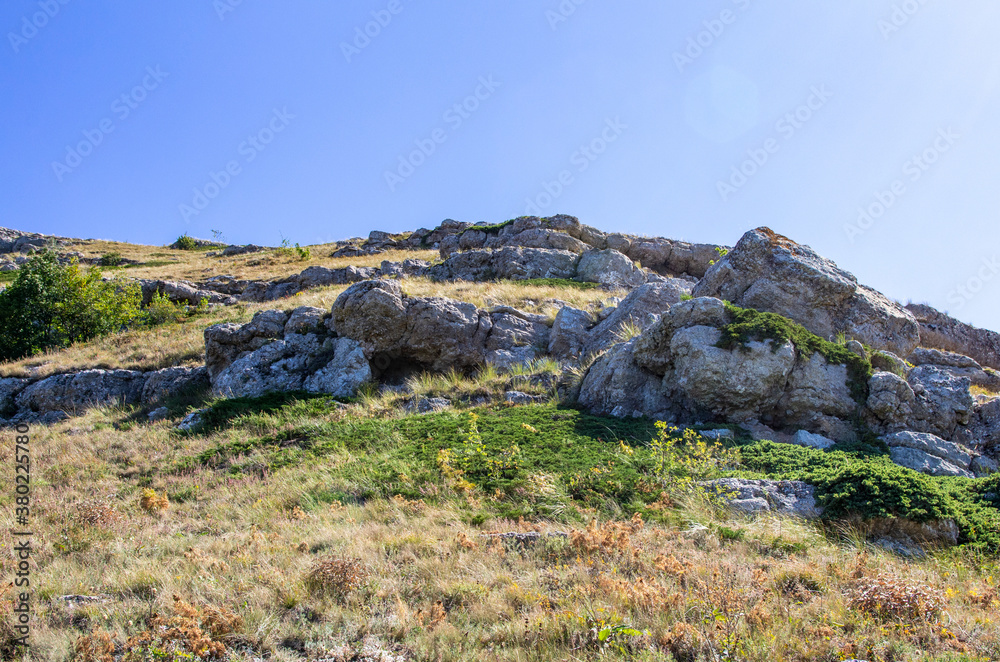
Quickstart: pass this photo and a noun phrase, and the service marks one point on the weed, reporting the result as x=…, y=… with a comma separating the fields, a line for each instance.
x=336, y=576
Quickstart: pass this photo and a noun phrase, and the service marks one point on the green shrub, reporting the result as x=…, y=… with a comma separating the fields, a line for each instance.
x=749, y=324
x=50, y=306
x=162, y=310
x=185, y=243
x=111, y=260
x=871, y=486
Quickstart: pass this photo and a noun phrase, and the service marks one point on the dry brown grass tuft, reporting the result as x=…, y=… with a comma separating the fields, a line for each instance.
x=888, y=597
x=336, y=576
x=152, y=502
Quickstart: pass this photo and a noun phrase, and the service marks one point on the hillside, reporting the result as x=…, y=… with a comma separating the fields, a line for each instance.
x=530, y=440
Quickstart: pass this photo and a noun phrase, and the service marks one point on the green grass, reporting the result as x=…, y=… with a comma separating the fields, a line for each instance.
x=559, y=282
x=7, y=276
x=749, y=325
x=546, y=460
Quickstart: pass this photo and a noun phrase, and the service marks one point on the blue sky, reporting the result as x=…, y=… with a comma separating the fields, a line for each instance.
x=698, y=121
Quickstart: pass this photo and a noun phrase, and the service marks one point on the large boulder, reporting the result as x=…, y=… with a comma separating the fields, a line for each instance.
x=616, y=386
x=224, y=343
x=769, y=272
x=76, y=392
x=516, y=338
x=569, y=333
x=298, y=362
x=182, y=291
x=611, y=268
x=783, y=497
x=639, y=310
x=678, y=357
x=928, y=454
x=734, y=385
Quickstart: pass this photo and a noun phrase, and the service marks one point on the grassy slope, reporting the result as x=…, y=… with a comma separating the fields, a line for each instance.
x=271, y=495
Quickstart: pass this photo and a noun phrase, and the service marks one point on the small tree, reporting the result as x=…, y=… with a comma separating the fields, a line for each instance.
x=50, y=305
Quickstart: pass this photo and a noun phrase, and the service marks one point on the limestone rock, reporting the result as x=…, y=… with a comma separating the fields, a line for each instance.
x=615, y=385
x=928, y=454
x=569, y=334
x=731, y=384
x=771, y=273
x=810, y=440
x=611, y=268
x=640, y=309
x=784, y=497
x=942, y=332
x=78, y=391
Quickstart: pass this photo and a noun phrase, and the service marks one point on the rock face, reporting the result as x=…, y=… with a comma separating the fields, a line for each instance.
x=929, y=454
x=939, y=331
x=677, y=361
x=373, y=330
x=513, y=263
x=297, y=363
x=609, y=267
x=665, y=257
x=53, y=398
x=182, y=292
x=772, y=273
x=931, y=399
x=784, y=497
x=639, y=310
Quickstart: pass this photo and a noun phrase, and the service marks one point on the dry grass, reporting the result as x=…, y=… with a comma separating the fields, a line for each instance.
x=245, y=567
x=169, y=264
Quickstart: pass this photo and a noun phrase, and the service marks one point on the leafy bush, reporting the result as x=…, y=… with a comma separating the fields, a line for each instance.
x=185, y=243
x=161, y=310
x=50, y=306
x=871, y=486
x=111, y=260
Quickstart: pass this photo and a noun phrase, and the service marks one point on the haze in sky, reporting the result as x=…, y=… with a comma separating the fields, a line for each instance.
x=866, y=129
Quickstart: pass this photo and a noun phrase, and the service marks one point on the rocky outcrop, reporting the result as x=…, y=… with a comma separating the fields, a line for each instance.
x=931, y=399
x=939, y=331
x=54, y=398
x=929, y=454
x=299, y=362
x=372, y=331
x=665, y=257
x=957, y=365
x=677, y=360
x=512, y=263
x=772, y=273
x=780, y=497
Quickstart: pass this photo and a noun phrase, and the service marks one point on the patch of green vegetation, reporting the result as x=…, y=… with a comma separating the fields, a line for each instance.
x=185, y=243
x=871, y=486
x=561, y=453
x=111, y=260
x=749, y=325
x=490, y=229
x=559, y=282
x=7, y=276
x=50, y=305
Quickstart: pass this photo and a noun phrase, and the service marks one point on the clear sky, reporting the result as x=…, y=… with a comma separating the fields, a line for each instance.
x=313, y=120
